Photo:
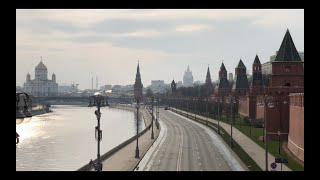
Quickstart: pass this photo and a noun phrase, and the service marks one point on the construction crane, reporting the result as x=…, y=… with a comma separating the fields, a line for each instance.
x=74, y=86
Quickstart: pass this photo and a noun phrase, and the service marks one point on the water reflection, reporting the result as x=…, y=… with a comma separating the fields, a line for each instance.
x=64, y=139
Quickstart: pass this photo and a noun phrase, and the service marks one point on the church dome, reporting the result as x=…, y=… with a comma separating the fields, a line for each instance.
x=41, y=66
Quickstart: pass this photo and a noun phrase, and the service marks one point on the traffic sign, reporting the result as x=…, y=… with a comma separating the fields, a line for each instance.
x=273, y=165
x=281, y=160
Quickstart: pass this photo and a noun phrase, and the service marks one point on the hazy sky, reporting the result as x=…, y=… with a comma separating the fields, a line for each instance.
x=80, y=44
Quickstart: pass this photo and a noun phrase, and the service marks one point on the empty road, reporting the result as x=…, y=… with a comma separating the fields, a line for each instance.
x=184, y=145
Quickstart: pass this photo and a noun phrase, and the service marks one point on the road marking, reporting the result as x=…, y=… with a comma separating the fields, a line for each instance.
x=180, y=151
x=180, y=145
x=147, y=160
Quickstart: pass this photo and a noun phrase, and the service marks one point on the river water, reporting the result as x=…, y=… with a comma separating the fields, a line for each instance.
x=64, y=140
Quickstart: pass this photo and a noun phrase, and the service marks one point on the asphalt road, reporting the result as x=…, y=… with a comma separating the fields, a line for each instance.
x=186, y=147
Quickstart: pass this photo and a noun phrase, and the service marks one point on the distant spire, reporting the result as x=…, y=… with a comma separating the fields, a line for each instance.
x=41, y=58
x=188, y=69
x=222, y=68
x=256, y=60
x=241, y=65
x=208, y=77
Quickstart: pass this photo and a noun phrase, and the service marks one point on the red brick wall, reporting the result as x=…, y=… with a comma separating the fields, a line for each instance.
x=244, y=106
x=259, y=112
x=280, y=67
x=296, y=123
x=295, y=76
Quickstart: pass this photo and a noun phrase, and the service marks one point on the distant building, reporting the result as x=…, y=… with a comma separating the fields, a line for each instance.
x=267, y=68
x=157, y=85
x=179, y=84
x=19, y=89
x=41, y=86
x=230, y=77
x=188, y=78
x=64, y=89
x=106, y=87
x=198, y=83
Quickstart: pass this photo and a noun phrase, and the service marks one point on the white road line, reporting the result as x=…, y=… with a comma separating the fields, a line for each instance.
x=180, y=146
x=219, y=145
x=147, y=160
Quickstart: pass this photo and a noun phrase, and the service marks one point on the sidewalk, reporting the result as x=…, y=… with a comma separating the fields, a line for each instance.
x=124, y=159
x=256, y=152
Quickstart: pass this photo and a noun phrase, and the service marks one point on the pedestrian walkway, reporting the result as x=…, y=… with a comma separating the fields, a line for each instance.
x=256, y=152
x=124, y=159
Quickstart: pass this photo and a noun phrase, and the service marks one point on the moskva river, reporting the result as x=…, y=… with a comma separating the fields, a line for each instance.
x=64, y=140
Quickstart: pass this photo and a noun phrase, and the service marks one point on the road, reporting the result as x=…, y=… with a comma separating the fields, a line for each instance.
x=184, y=145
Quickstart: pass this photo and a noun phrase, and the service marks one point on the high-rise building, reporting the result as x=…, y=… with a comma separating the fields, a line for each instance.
x=188, y=78
x=230, y=77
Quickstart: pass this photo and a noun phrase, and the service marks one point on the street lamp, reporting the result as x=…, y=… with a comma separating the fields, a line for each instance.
x=157, y=112
x=250, y=126
x=266, y=101
x=137, y=147
x=232, y=101
x=218, y=100
x=26, y=116
x=97, y=99
x=152, y=99
x=195, y=109
x=206, y=100
x=187, y=106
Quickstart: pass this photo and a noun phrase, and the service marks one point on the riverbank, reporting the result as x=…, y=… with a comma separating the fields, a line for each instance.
x=122, y=157
x=38, y=112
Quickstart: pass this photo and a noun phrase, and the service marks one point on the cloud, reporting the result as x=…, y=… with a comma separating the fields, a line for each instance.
x=191, y=27
x=143, y=33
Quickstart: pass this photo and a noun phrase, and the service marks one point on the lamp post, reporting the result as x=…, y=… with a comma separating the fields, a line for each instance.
x=195, y=109
x=187, y=107
x=98, y=100
x=218, y=100
x=232, y=101
x=279, y=131
x=250, y=126
x=266, y=101
x=152, y=98
x=24, y=116
x=206, y=100
x=157, y=112
x=137, y=147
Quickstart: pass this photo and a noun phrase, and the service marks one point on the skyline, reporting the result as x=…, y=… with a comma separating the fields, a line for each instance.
x=164, y=41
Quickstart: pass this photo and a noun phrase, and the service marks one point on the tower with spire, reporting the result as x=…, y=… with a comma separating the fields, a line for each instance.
x=28, y=77
x=257, y=81
x=287, y=68
x=173, y=87
x=138, y=85
x=53, y=77
x=222, y=88
x=287, y=76
x=240, y=86
x=208, y=83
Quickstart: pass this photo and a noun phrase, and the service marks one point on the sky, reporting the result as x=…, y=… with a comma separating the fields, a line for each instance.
x=80, y=44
